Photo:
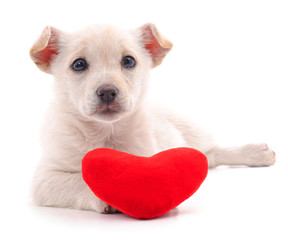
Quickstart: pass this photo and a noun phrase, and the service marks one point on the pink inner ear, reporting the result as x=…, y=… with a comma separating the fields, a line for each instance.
x=48, y=52
x=153, y=47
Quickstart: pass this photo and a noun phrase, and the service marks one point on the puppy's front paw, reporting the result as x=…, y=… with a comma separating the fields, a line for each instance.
x=110, y=209
x=259, y=155
x=104, y=208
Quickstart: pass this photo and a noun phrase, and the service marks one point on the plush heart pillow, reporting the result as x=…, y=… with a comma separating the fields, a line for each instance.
x=144, y=187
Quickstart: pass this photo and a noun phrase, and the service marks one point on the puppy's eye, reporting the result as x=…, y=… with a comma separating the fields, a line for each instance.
x=79, y=65
x=128, y=62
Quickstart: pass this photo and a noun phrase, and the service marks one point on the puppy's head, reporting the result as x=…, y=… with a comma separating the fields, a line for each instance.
x=101, y=72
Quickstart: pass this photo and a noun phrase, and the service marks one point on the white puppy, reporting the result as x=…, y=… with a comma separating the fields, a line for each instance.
x=101, y=76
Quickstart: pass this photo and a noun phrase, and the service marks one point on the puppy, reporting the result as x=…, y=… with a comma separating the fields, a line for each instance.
x=101, y=76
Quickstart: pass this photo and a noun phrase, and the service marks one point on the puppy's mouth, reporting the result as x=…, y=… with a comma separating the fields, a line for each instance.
x=106, y=112
x=108, y=109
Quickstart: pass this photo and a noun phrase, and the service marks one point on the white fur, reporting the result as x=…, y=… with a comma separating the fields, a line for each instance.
x=74, y=124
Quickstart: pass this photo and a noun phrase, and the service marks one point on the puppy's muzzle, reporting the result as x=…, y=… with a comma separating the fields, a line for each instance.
x=107, y=93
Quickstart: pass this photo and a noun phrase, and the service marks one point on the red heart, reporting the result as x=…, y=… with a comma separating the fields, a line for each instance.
x=144, y=187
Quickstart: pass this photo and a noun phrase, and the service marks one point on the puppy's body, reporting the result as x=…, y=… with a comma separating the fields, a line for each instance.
x=103, y=105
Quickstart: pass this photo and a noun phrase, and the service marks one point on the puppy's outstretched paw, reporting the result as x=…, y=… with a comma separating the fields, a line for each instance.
x=259, y=155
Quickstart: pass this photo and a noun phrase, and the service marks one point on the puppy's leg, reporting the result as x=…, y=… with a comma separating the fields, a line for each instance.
x=64, y=189
x=253, y=155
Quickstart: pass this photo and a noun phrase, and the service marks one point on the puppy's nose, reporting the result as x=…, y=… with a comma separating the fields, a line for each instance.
x=107, y=93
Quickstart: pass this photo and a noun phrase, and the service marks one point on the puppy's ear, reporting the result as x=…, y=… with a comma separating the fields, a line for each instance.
x=154, y=43
x=45, y=48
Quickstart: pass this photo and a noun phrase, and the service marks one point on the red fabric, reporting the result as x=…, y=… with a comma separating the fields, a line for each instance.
x=144, y=187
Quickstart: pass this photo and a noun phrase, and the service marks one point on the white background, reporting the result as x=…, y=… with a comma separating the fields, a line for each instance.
x=227, y=71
